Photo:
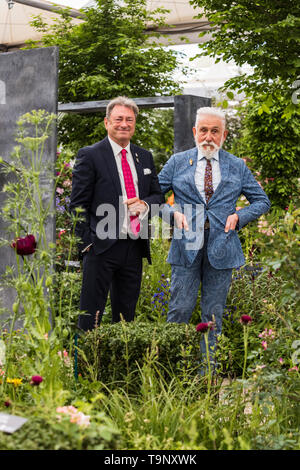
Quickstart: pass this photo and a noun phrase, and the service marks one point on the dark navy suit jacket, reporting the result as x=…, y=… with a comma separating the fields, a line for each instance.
x=96, y=184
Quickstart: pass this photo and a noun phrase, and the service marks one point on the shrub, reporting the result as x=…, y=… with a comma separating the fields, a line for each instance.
x=115, y=352
x=48, y=433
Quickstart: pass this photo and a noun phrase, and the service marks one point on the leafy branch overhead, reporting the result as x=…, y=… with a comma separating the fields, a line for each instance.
x=263, y=34
x=107, y=55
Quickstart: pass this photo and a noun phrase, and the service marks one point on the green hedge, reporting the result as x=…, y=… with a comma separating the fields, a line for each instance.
x=113, y=352
x=47, y=433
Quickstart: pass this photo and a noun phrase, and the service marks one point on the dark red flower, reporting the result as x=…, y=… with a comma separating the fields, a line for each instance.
x=36, y=380
x=204, y=327
x=245, y=319
x=25, y=246
x=7, y=403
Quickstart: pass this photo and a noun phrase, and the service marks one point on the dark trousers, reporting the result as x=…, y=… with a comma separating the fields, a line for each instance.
x=118, y=270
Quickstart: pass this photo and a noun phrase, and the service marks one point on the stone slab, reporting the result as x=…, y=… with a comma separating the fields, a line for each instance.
x=185, y=108
x=28, y=80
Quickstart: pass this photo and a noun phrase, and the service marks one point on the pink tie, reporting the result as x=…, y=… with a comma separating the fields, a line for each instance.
x=130, y=191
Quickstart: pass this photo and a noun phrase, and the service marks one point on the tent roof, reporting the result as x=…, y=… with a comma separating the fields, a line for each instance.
x=15, y=28
x=14, y=23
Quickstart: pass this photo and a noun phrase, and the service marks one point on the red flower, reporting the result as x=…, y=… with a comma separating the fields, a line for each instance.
x=25, y=246
x=245, y=319
x=7, y=403
x=204, y=327
x=61, y=233
x=36, y=380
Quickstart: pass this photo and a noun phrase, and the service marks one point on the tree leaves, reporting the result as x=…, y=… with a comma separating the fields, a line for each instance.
x=263, y=34
x=108, y=55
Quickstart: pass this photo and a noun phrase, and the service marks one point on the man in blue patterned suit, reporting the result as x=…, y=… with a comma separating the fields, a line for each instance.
x=207, y=182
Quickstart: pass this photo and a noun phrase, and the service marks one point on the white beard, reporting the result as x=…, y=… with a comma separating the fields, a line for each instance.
x=208, y=152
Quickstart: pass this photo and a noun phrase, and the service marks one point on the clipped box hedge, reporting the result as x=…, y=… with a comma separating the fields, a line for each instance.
x=119, y=349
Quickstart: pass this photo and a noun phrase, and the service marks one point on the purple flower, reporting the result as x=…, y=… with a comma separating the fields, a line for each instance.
x=25, y=246
x=204, y=327
x=36, y=380
x=245, y=319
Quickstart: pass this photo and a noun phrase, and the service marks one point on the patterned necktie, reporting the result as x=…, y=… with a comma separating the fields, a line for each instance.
x=208, y=184
x=130, y=191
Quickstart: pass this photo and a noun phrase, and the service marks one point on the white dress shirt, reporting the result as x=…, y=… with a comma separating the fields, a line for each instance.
x=200, y=172
x=117, y=153
x=118, y=156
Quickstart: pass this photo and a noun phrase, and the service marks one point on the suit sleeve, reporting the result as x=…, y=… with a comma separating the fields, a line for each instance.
x=155, y=196
x=83, y=180
x=165, y=179
x=259, y=201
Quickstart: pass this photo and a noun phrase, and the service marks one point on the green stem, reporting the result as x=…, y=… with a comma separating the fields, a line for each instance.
x=245, y=350
x=208, y=364
x=8, y=355
x=238, y=402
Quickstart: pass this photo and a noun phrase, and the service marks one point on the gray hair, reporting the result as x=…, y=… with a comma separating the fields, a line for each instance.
x=212, y=112
x=121, y=101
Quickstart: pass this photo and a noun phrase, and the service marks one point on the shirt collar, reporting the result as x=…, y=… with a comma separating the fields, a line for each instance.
x=215, y=156
x=117, y=148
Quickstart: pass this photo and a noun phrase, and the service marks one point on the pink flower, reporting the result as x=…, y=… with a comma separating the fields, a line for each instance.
x=264, y=344
x=36, y=380
x=293, y=368
x=60, y=190
x=280, y=360
x=67, y=183
x=75, y=416
x=61, y=232
x=204, y=327
x=25, y=246
x=245, y=319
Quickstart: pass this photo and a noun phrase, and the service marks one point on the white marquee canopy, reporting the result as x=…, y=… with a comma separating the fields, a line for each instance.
x=15, y=16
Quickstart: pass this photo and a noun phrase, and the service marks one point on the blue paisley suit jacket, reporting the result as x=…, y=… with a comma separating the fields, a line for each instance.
x=224, y=249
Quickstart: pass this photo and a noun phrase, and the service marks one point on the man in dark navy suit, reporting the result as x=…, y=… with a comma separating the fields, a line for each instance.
x=115, y=184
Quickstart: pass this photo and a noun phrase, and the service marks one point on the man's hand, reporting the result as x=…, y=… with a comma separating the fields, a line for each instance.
x=180, y=220
x=136, y=206
x=231, y=222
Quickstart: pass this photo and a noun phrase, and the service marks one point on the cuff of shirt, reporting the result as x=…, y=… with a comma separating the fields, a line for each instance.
x=86, y=248
x=143, y=215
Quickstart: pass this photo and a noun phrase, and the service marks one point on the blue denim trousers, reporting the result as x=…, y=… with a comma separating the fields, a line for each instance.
x=185, y=284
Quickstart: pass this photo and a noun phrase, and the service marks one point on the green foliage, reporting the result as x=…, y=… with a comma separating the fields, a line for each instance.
x=140, y=387
x=108, y=55
x=271, y=142
x=32, y=280
x=47, y=431
x=119, y=350
x=263, y=34
x=66, y=247
x=281, y=251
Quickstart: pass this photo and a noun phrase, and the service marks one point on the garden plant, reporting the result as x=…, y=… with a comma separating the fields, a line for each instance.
x=136, y=385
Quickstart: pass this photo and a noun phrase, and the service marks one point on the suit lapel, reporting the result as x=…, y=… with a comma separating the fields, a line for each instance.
x=139, y=167
x=111, y=165
x=192, y=160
